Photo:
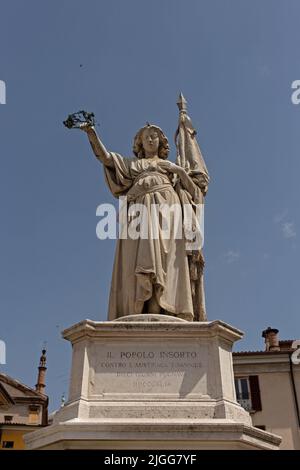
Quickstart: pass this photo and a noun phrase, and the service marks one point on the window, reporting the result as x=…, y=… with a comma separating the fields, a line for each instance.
x=7, y=444
x=248, y=392
x=242, y=390
x=261, y=426
x=33, y=417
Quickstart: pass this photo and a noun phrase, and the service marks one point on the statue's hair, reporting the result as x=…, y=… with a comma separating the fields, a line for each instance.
x=163, y=149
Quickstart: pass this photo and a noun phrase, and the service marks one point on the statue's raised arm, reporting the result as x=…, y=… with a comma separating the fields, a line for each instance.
x=97, y=145
x=86, y=122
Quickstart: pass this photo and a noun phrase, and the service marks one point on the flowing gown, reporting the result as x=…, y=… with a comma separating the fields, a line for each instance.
x=153, y=264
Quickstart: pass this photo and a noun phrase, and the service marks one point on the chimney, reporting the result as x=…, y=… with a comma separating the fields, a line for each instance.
x=271, y=339
x=41, y=383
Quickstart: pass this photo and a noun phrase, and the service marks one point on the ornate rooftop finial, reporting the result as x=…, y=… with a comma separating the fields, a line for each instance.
x=43, y=358
x=41, y=383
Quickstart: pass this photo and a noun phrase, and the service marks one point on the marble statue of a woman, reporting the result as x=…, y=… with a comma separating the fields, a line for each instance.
x=154, y=274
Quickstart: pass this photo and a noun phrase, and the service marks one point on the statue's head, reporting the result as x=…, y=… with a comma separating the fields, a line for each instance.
x=151, y=138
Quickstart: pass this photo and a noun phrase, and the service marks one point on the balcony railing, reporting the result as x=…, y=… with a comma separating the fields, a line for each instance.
x=245, y=403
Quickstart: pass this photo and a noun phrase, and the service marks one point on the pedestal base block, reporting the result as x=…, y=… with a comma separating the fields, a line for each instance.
x=152, y=382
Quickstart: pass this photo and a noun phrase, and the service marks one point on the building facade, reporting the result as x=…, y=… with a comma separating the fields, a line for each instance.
x=268, y=386
x=22, y=408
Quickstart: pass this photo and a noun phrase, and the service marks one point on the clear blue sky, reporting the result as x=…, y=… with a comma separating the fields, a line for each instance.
x=234, y=60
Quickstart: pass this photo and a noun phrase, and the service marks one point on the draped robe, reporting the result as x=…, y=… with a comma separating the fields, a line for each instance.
x=149, y=265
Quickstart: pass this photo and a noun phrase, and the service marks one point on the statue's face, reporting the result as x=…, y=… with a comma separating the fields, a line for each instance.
x=150, y=140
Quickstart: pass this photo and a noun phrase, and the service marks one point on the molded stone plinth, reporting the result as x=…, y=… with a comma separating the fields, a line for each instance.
x=152, y=382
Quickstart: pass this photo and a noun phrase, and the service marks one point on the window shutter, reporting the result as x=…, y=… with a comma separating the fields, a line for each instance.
x=255, y=392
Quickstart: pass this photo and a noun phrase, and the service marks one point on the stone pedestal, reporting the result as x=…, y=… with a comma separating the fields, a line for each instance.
x=151, y=382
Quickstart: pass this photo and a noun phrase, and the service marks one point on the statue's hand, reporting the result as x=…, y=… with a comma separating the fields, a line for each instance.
x=171, y=167
x=85, y=126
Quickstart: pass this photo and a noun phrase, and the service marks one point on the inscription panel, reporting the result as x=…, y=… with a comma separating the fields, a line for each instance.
x=158, y=368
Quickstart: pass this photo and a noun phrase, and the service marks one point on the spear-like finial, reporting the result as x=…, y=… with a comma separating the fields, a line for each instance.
x=181, y=103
